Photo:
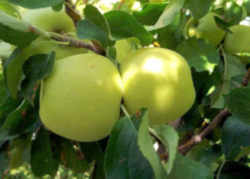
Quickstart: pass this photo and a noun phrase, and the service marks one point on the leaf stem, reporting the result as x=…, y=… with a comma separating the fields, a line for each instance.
x=124, y=110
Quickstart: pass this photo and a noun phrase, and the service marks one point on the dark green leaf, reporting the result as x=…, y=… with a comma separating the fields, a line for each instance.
x=199, y=54
x=13, y=72
x=111, y=54
x=94, y=27
x=169, y=138
x=32, y=4
x=35, y=69
x=238, y=102
x=198, y=8
x=15, y=31
x=123, y=158
x=72, y=157
x=146, y=146
x=124, y=25
x=205, y=154
x=93, y=152
x=189, y=169
x=235, y=136
x=19, y=151
x=4, y=163
x=150, y=13
x=20, y=121
x=42, y=157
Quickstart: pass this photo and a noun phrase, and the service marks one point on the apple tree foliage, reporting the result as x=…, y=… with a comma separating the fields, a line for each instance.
x=212, y=140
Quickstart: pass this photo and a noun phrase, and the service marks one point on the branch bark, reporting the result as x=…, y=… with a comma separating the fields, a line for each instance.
x=246, y=78
x=215, y=122
x=198, y=137
x=71, y=11
x=76, y=43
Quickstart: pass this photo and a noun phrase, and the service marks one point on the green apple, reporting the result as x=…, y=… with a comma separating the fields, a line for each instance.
x=125, y=47
x=49, y=20
x=81, y=98
x=238, y=42
x=160, y=80
x=45, y=46
x=208, y=30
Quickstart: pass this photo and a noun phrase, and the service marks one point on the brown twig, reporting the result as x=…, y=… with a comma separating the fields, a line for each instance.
x=71, y=11
x=198, y=137
x=184, y=148
x=76, y=43
x=246, y=78
x=120, y=5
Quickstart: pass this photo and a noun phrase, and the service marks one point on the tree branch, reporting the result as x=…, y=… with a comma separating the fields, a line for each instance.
x=76, y=43
x=246, y=78
x=71, y=11
x=198, y=137
x=215, y=122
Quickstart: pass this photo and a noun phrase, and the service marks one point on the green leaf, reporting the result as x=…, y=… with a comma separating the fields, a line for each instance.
x=150, y=13
x=35, y=69
x=19, y=151
x=232, y=68
x=93, y=152
x=235, y=136
x=189, y=169
x=169, y=138
x=123, y=158
x=199, y=54
x=205, y=154
x=43, y=159
x=15, y=31
x=32, y=4
x=198, y=8
x=124, y=25
x=238, y=102
x=111, y=54
x=13, y=72
x=94, y=27
x=18, y=122
x=9, y=9
x=4, y=163
x=146, y=146
x=72, y=157
x=169, y=14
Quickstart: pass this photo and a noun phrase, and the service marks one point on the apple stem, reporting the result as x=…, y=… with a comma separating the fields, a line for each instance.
x=71, y=11
x=124, y=110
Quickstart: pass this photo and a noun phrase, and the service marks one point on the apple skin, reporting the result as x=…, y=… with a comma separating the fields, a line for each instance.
x=81, y=98
x=208, y=30
x=45, y=46
x=238, y=41
x=49, y=20
x=124, y=47
x=160, y=80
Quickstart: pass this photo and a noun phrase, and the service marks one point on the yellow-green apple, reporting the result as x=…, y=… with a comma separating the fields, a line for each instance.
x=160, y=80
x=49, y=20
x=125, y=47
x=238, y=42
x=80, y=100
x=208, y=30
